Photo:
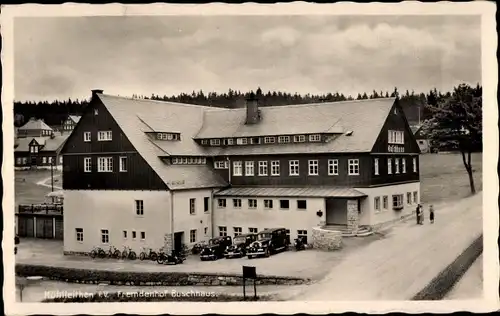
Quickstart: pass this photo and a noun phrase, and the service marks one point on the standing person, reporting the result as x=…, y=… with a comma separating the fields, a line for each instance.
x=431, y=213
x=418, y=213
x=421, y=215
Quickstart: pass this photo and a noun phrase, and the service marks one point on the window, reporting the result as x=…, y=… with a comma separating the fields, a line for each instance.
x=139, y=207
x=414, y=164
x=104, y=136
x=96, y=112
x=104, y=236
x=143, y=235
x=134, y=234
x=315, y=138
x=215, y=142
x=237, y=203
x=275, y=168
x=34, y=149
x=204, y=141
x=396, y=164
x=353, y=167
x=249, y=168
x=50, y=160
x=205, y=231
x=222, y=231
x=221, y=203
x=403, y=164
x=18, y=161
x=389, y=166
x=262, y=168
x=255, y=140
x=376, y=203
x=302, y=234
x=252, y=203
x=87, y=136
x=87, y=164
x=415, y=196
x=253, y=230
x=229, y=141
x=237, y=168
x=206, y=204
x=385, y=202
x=284, y=204
x=123, y=164
x=237, y=231
x=25, y=160
x=396, y=137
x=299, y=138
x=105, y=164
x=375, y=166
x=313, y=167
x=294, y=167
x=61, y=159
x=408, y=198
x=124, y=234
x=79, y=234
x=283, y=139
x=192, y=235
x=333, y=167
x=397, y=201
x=268, y=204
x=241, y=141
x=192, y=206
x=221, y=164
x=269, y=140
x=44, y=159
x=301, y=204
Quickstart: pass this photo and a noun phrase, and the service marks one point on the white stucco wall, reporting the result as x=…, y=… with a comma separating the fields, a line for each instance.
x=185, y=222
x=260, y=218
x=115, y=211
x=368, y=214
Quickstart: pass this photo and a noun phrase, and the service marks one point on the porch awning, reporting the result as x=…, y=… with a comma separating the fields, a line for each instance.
x=338, y=192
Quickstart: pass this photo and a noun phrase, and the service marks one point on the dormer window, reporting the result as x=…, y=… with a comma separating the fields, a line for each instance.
x=168, y=136
x=255, y=140
x=204, y=142
x=34, y=149
x=215, y=142
x=230, y=141
x=283, y=139
x=269, y=140
x=299, y=138
x=188, y=160
x=315, y=138
x=241, y=141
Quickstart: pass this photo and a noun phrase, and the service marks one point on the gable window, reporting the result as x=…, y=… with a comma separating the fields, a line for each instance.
x=385, y=202
x=87, y=164
x=221, y=164
x=315, y=138
x=237, y=231
x=333, y=167
x=269, y=140
x=33, y=149
x=215, y=142
x=299, y=138
x=237, y=168
x=284, y=204
x=396, y=137
x=87, y=136
x=353, y=167
x=192, y=235
x=252, y=203
x=253, y=230
x=104, y=236
x=396, y=164
x=192, y=206
x=262, y=168
x=96, y=112
x=414, y=164
x=275, y=168
x=221, y=203
x=241, y=141
x=389, y=166
x=79, y=234
x=283, y=139
x=268, y=204
x=139, y=207
x=222, y=231
x=397, y=201
x=403, y=164
x=294, y=167
x=123, y=164
x=375, y=166
x=104, y=136
x=249, y=168
x=206, y=204
x=376, y=203
x=313, y=167
x=237, y=203
x=105, y=164
x=301, y=204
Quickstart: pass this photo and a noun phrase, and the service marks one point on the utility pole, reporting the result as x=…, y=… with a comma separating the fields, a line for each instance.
x=52, y=175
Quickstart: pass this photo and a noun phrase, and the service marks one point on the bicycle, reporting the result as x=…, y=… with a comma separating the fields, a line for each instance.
x=148, y=253
x=97, y=252
x=128, y=253
x=162, y=256
x=113, y=252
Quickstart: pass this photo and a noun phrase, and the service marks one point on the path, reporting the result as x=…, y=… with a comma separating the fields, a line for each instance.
x=397, y=267
x=44, y=183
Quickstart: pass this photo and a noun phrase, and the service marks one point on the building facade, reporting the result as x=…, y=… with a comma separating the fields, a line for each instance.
x=69, y=123
x=175, y=174
x=38, y=152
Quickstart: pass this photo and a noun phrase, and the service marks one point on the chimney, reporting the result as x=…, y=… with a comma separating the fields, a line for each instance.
x=253, y=113
x=96, y=92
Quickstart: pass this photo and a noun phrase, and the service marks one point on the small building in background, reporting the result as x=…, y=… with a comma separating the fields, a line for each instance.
x=38, y=152
x=69, y=124
x=422, y=139
x=34, y=128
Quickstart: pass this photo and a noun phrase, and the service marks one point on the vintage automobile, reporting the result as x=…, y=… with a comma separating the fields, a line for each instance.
x=269, y=241
x=239, y=247
x=215, y=248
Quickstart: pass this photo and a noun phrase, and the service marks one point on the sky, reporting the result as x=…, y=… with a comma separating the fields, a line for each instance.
x=66, y=57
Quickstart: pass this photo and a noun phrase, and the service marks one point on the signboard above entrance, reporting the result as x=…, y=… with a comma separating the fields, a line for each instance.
x=395, y=149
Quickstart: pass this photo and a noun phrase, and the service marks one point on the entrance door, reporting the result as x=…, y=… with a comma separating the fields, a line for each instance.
x=33, y=160
x=178, y=241
x=59, y=229
x=336, y=211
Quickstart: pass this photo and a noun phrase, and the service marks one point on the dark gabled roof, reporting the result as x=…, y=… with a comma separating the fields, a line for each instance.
x=48, y=143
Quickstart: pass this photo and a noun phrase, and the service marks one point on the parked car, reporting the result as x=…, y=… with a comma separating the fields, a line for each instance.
x=239, y=247
x=269, y=241
x=198, y=247
x=215, y=248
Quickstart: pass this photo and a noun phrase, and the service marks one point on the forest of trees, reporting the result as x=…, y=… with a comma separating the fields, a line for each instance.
x=413, y=104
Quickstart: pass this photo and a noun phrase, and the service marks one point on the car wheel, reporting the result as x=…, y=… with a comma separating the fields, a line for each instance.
x=268, y=253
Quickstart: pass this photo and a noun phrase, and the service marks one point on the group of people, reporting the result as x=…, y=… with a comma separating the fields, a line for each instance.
x=420, y=214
